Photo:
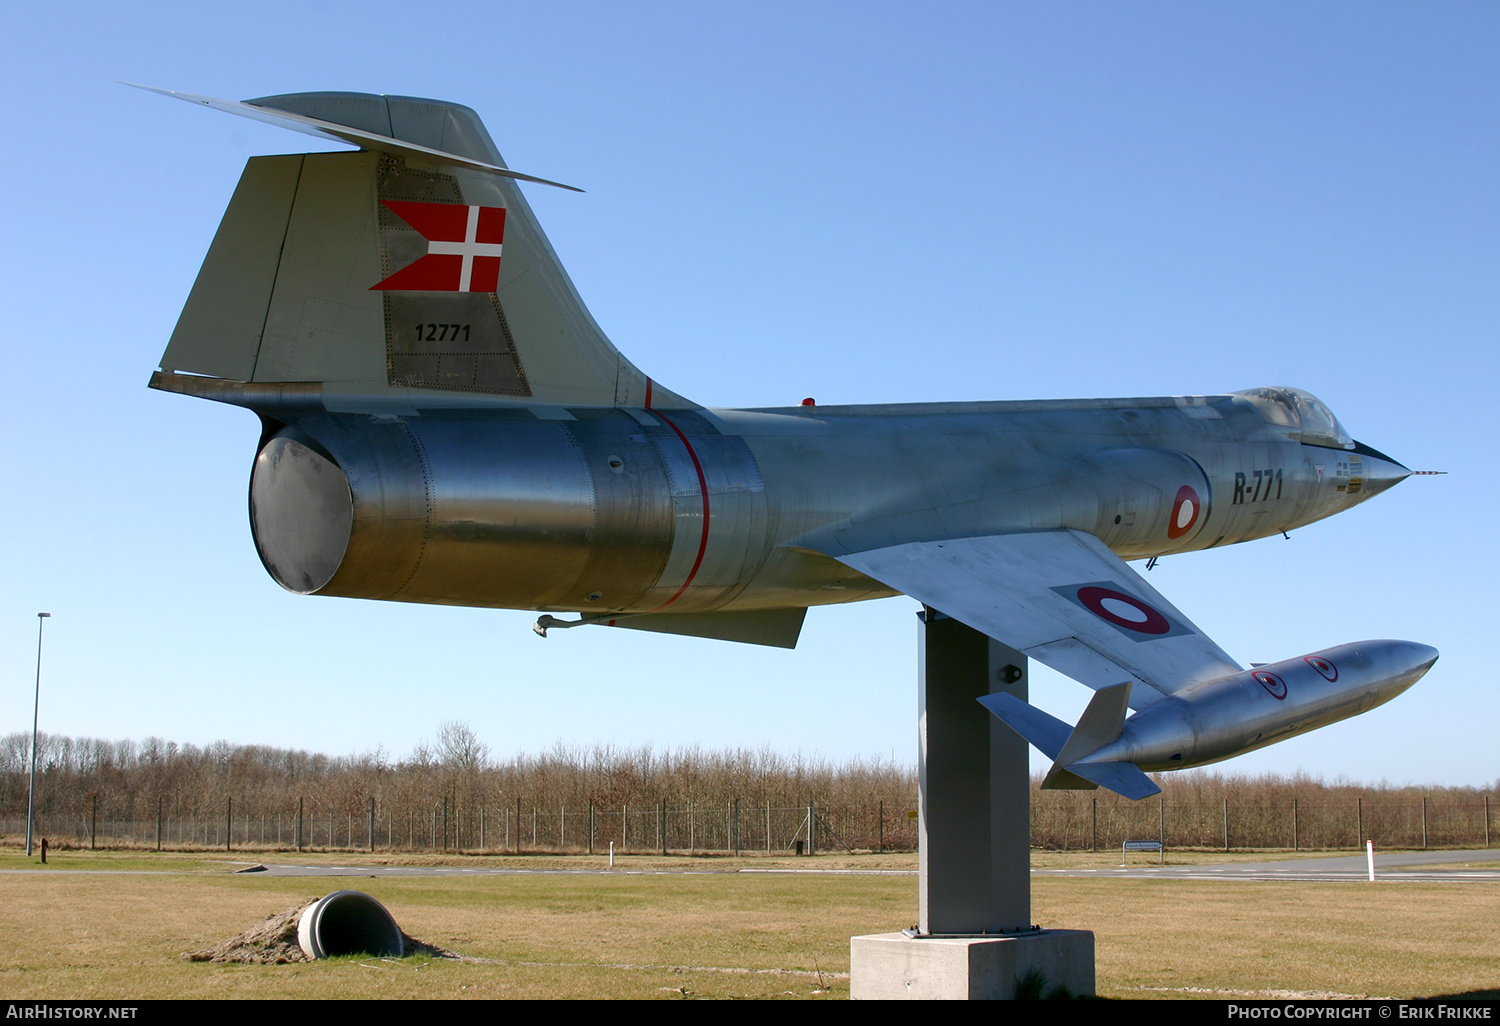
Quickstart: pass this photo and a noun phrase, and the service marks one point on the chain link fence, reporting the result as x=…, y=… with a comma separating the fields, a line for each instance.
x=1061, y=820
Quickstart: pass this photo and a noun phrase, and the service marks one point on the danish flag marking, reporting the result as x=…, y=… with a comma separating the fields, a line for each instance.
x=463, y=248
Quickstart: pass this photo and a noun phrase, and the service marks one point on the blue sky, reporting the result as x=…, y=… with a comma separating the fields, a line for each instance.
x=861, y=202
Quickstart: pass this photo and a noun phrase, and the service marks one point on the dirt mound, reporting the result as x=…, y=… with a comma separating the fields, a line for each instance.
x=273, y=941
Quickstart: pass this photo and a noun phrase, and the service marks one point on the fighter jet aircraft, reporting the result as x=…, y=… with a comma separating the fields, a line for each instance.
x=443, y=422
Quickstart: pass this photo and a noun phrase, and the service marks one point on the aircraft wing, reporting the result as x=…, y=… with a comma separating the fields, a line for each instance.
x=1061, y=597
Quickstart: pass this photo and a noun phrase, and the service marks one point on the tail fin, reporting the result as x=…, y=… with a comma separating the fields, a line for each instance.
x=411, y=271
x=1100, y=724
x=1047, y=733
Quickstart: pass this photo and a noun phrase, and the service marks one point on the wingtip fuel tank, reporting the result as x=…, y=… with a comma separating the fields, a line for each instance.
x=1216, y=719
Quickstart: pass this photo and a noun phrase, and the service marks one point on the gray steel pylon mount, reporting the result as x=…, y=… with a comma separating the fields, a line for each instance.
x=974, y=802
x=974, y=937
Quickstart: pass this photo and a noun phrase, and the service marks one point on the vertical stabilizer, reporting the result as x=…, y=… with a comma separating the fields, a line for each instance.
x=399, y=272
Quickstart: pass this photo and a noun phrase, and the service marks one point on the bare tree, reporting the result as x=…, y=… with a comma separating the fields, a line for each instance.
x=460, y=749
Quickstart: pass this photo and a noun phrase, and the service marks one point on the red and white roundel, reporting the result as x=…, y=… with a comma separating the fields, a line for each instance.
x=1185, y=510
x=1323, y=666
x=1272, y=683
x=1123, y=610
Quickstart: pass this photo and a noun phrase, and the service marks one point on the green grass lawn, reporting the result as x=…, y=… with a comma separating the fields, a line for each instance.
x=723, y=935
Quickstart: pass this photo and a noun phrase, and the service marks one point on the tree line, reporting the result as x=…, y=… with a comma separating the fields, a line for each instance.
x=453, y=794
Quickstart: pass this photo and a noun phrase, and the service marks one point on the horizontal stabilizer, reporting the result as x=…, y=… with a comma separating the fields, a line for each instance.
x=321, y=129
x=1120, y=777
x=1047, y=733
x=1062, y=780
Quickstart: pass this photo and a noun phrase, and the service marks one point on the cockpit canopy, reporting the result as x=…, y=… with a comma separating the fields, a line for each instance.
x=1302, y=413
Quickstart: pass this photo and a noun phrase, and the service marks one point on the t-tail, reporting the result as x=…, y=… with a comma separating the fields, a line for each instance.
x=411, y=273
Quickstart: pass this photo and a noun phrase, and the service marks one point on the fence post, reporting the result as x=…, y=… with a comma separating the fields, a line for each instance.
x=1226, y=823
x=299, y=822
x=1359, y=812
x=768, y=826
x=1295, y=838
x=1094, y=844
x=1161, y=813
x=1486, y=821
x=624, y=816
x=661, y=824
x=228, y=822
x=591, y=826
x=736, y=828
x=158, y=822
x=1424, y=822
x=372, y=823
x=93, y=820
x=881, y=849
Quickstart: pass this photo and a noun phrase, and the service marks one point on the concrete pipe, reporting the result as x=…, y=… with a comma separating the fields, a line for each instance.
x=348, y=923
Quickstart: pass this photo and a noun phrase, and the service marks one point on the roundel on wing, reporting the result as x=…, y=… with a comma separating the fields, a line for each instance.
x=1123, y=610
x=1272, y=683
x=1325, y=668
x=1186, y=509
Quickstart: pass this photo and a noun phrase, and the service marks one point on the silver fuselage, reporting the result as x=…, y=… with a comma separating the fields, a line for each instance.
x=629, y=511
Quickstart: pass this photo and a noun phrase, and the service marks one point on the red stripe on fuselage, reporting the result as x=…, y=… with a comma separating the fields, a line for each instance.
x=702, y=487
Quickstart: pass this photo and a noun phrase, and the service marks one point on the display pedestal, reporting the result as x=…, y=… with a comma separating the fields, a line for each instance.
x=974, y=936
x=895, y=967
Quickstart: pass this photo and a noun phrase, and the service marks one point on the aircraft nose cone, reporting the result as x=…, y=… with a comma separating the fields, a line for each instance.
x=1379, y=470
x=1406, y=661
x=1421, y=656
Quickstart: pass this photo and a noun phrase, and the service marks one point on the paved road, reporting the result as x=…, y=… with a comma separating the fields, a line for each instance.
x=1345, y=867
x=1448, y=866
x=281, y=869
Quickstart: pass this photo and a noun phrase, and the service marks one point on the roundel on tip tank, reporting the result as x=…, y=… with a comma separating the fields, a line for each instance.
x=301, y=514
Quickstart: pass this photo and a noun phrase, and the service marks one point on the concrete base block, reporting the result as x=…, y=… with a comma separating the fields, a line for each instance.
x=895, y=967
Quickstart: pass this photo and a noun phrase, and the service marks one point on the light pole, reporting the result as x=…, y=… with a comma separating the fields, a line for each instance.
x=41, y=618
